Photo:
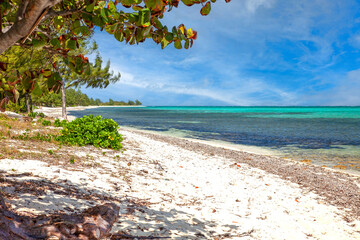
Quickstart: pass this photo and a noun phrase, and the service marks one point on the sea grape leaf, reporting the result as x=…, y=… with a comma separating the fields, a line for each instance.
x=177, y=44
x=206, y=9
x=37, y=90
x=58, y=22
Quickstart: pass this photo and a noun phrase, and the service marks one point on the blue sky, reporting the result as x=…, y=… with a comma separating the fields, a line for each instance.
x=248, y=53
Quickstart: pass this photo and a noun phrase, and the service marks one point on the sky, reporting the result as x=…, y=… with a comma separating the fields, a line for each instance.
x=248, y=53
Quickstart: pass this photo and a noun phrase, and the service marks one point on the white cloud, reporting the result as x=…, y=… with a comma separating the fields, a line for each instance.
x=242, y=48
x=339, y=90
x=253, y=5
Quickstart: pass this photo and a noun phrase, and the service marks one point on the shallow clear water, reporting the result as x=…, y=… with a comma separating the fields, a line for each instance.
x=325, y=135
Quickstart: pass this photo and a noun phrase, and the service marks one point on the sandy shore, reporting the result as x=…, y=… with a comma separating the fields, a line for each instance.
x=174, y=188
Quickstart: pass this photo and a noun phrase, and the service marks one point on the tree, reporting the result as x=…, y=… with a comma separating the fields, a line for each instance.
x=56, y=26
x=137, y=102
x=23, y=61
x=97, y=77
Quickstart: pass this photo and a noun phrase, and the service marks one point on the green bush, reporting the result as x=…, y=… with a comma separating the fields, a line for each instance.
x=46, y=123
x=90, y=130
x=32, y=114
x=13, y=107
x=59, y=123
x=42, y=115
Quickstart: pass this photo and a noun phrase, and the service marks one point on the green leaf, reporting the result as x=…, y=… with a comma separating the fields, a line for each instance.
x=110, y=28
x=76, y=27
x=144, y=17
x=105, y=13
x=157, y=23
x=87, y=69
x=55, y=43
x=98, y=21
x=37, y=89
x=90, y=8
x=187, y=43
x=164, y=43
x=101, y=4
x=111, y=7
x=119, y=35
x=169, y=36
x=188, y=2
x=177, y=44
x=38, y=43
x=206, y=9
x=71, y=44
x=58, y=22
x=85, y=30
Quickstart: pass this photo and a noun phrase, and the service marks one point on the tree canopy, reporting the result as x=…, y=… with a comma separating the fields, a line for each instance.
x=56, y=26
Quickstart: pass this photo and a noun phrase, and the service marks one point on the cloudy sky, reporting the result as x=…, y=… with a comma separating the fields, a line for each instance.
x=248, y=53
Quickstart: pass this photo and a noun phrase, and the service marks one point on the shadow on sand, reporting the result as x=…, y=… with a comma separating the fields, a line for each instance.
x=36, y=196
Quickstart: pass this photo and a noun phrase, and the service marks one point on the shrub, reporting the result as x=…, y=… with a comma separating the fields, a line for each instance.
x=42, y=115
x=59, y=123
x=32, y=114
x=90, y=130
x=46, y=123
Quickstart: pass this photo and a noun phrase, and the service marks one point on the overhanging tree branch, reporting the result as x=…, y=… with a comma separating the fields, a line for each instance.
x=30, y=14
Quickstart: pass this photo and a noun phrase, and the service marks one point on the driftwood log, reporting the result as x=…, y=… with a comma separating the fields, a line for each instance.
x=93, y=223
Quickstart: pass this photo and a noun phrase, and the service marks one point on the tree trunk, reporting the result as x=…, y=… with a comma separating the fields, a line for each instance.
x=31, y=103
x=27, y=103
x=93, y=223
x=63, y=101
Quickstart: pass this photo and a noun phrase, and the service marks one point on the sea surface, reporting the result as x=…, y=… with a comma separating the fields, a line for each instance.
x=327, y=136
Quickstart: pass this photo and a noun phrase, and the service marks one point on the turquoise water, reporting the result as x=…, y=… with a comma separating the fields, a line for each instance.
x=275, y=112
x=325, y=135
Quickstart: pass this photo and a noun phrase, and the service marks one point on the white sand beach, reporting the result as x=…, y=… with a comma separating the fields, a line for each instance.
x=177, y=189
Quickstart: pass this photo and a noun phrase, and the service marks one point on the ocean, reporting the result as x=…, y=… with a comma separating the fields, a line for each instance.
x=326, y=136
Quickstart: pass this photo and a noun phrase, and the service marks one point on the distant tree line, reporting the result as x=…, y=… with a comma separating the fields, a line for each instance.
x=122, y=103
x=77, y=98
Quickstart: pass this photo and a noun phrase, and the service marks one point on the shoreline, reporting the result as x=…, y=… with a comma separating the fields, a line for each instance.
x=171, y=187
x=266, y=151
x=254, y=150
x=285, y=168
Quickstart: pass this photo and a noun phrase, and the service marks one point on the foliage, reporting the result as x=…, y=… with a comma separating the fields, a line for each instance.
x=38, y=136
x=46, y=123
x=58, y=123
x=61, y=25
x=23, y=60
x=92, y=130
x=42, y=115
x=16, y=107
x=73, y=98
x=111, y=102
x=33, y=114
x=76, y=98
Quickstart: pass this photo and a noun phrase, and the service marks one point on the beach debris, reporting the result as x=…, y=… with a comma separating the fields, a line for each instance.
x=340, y=167
x=306, y=161
x=93, y=223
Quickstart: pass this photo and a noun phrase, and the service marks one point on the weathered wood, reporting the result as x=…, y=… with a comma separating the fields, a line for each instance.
x=93, y=223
